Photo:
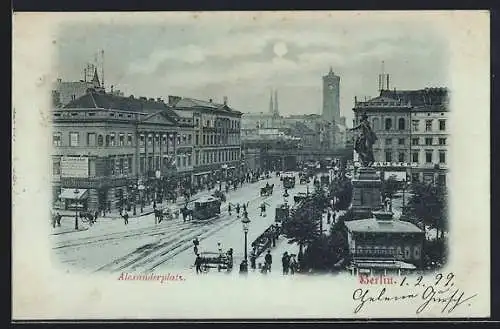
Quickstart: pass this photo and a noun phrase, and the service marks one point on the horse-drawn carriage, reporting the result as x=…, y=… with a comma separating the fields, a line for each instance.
x=282, y=213
x=289, y=181
x=167, y=213
x=216, y=260
x=206, y=208
x=267, y=190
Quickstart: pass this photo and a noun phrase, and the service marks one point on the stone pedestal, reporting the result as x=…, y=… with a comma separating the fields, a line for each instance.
x=366, y=192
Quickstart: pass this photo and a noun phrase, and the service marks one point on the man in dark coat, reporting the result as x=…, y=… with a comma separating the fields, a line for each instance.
x=285, y=261
x=268, y=260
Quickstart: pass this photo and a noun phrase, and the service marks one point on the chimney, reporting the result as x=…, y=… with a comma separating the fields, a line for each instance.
x=355, y=100
x=159, y=100
x=210, y=100
x=112, y=88
x=59, y=80
x=225, y=100
x=151, y=99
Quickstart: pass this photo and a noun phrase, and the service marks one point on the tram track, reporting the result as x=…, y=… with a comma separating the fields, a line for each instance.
x=141, y=257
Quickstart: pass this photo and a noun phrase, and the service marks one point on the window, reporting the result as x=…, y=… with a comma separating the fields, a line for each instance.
x=196, y=139
x=388, y=124
x=442, y=125
x=415, y=124
x=178, y=140
x=442, y=141
x=74, y=139
x=141, y=140
x=189, y=159
x=122, y=139
x=129, y=165
x=150, y=139
x=129, y=139
x=56, y=167
x=190, y=138
x=91, y=139
x=388, y=141
x=211, y=139
x=56, y=139
x=401, y=124
x=107, y=140
x=428, y=156
x=197, y=122
x=388, y=156
x=428, y=141
x=401, y=157
x=179, y=160
x=100, y=140
x=73, y=97
x=441, y=180
x=401, y=141
x=184, y=161
x=203, y=139
x=428, y=125
x=414, y=141
x=196, y=156
x=376, y=124
x=414, y=157
x=442, y=157
x=112, y=139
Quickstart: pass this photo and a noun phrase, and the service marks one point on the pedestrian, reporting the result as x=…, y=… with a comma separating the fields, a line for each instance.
x=221, y=252
x=268, y=260
x=196, y=243
x=125, y=217
x=96, y=214
x=238, y=210
x=328, y=216
x=184, y=213
x=263, y=210
x=229, y=209
x=53, y=221
x=253, y=256
x=245, y=214
x=197, y=263
x=293, y=265
x=285, y=261
x=58, y=219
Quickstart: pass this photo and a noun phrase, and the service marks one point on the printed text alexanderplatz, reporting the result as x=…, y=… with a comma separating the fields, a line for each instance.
x=151, y=277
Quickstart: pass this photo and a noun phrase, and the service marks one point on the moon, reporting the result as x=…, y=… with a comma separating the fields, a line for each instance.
x=280, y=49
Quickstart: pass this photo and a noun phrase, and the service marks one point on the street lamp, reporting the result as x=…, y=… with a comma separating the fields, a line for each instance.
x=76, y=208
x=244, y=264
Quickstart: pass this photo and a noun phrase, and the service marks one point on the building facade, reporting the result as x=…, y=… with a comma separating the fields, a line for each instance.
x=113, y=148
x=217, y=140
x=413, y=132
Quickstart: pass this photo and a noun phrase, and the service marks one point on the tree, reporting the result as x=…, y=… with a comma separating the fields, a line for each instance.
x=428, y=206
x=303, y=226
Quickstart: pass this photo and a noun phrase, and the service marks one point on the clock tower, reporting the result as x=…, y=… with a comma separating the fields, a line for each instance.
x=331, y=95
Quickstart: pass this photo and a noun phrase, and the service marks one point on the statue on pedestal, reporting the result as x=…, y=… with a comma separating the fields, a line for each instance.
x=364, y=142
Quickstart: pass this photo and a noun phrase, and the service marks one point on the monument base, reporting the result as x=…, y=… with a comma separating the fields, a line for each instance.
x=367, y=194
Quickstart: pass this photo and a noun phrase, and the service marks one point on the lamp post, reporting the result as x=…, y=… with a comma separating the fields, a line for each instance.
x=244, y=264
x=76, y=208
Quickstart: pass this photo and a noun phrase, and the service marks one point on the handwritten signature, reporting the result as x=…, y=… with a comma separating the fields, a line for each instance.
x=447, y=298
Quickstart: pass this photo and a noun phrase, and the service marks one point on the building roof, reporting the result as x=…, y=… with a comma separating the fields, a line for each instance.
x=422, y=97
x=94, y=99
x=301, y=129
x=184, y=113
x=185, y=103
x=382, y=226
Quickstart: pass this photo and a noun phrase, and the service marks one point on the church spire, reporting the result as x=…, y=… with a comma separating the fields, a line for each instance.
x=271, y=111
x=276, y=111
x=95, y=79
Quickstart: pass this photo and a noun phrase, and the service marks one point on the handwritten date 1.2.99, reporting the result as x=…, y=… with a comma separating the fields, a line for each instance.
x=439, y=281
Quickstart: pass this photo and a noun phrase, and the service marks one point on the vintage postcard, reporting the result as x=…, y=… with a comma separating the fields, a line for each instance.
x=230, y=165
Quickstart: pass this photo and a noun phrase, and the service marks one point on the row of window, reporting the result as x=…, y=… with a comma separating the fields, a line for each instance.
x=429, y=125
x=388, y=125
x=118, y=139
x=217, y=156
x=218, y=139
x=213, y=123
x=415, y=156
x=416, y=141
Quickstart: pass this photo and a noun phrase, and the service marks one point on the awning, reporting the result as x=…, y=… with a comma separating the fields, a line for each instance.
x=73, y=194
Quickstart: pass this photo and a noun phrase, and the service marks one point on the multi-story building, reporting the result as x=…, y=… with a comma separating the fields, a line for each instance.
x=331, y=97
x=217, y=150
x=412, y=130
x=109, y=147
x=66, y=91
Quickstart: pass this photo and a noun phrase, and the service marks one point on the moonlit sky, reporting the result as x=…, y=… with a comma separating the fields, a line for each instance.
x=243, y=56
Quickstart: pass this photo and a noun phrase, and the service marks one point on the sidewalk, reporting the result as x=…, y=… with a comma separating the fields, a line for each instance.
x=147, y=209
